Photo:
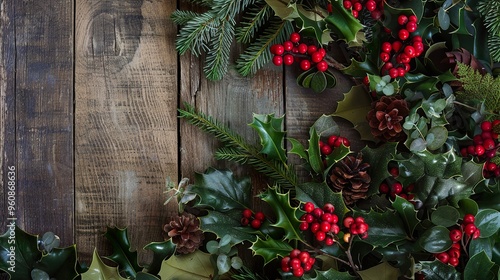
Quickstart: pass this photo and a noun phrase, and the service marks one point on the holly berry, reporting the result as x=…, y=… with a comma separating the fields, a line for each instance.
x=288, y=59
x=455, y=235
x=260, y=216
x=295, y=37
x=443, y=257
x=256, y=223
x=247, y=213
x=469, y=219
x=402, y=19
x=305, y=65
x=309, y=207
x=386, y=47
x=403, y=34
x=322, y=66
x=277, y=60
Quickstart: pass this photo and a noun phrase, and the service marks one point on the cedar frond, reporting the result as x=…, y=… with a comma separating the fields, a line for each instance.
x=254, y=19
x=258, y=54
x=478, y=87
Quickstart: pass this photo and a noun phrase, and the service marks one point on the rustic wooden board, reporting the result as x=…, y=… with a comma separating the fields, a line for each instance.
x=126, y=124
x=37, y=109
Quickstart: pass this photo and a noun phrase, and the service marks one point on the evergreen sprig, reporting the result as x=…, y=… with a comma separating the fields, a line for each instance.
x=253, y=20
x=238, y=150
x=490, y=12
x=479, y=87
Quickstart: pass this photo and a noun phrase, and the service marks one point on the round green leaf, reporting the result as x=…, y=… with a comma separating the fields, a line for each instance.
x=446, y=216
x=467, y=206
x=418, y=145
x=318, y=82
x=37, y=274
x=488, y=222
x=443, y=19
x=435, y=239
x=236, y=262
x=223, y=264
x=212, y=246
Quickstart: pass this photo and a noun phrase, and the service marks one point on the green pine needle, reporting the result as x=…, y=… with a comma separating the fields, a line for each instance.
x=195, y=34
x=490, y=12
x=183, y=17
x=255, y=18
x=217, y=59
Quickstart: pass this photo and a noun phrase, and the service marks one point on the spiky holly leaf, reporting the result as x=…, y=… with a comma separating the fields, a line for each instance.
x=463, y=23
x=227, y=223
x=384, y=228
x=18, y=252
x=122, y=254
x=442, y=165
x=320, y=194
x=407, y=212
x=101, y=271
x=161, y=251
x=381, y=271
x=341, y=22
x=379, y=160
x=285, y=213
x=404, y=8
x=329, y=274
x=360, y=68
x=282, y=9
x=270, y=248
x=436, y=270
x=196, y=265
x=314, y=20
x=219, y=190
x=354, y=108
x=271, y=134
x=60, y=263
x=431, y=190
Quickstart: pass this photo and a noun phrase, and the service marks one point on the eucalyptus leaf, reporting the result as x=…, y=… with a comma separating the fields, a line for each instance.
x=443, y=19
x=223, y=264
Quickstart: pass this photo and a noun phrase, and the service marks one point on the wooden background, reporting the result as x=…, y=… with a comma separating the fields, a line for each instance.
x=89, y=91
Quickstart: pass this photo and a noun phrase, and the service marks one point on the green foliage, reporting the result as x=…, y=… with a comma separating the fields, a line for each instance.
x=490, y=11
x=122, y=255
x=271, y=249
x=479, y=87
x=161, y=251
x=99, y=270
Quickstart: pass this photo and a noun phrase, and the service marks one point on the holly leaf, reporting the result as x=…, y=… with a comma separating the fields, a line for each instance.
x=270, y=249
x=462, y=24
x=196, y=265
x=60, y=263
x=313, y=20
x=442, y=165
x=227, y=223
x=384, y=228
x=282, y=9
x=330, y=274
x=436, y=270
x=488, y=222
x=161, y=251
x=379, y=160
x=381, y=271
x=445, y=215
x=435, y=239
x=219, y=190
x=431, y=190
x=360, y=68
x=122, y=255
x=326, y=126
x=99, y=270
x=354, y=108
x=407, y=212
x=285, y=213
x=320, y=194
x=479, y=267
x=18, y=252
x=270, y=130
x=313, y=152
x=341, y=22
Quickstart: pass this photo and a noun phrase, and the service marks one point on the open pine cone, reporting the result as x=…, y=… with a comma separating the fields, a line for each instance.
x=351, y=177
x=185, y=233
x=386, y=118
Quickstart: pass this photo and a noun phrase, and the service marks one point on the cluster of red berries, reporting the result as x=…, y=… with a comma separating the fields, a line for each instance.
x=356, y=226
x=484, y=147
x=392, y=187
x=292, y=51
x=452, y=255
x=398, y=54
x=322, y=222
x=334, y=141
x=251, y=219
x=298, y=262
x=375, y=7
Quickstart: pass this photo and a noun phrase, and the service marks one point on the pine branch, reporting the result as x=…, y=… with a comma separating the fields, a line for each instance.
x=490, y=12
x=196, y=33
x=232, y=154
x=256, y=17
x=217, y=59
x=231, y=8
x=258, y=54
x=183, y=17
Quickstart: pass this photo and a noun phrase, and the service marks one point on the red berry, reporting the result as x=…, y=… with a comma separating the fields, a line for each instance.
x=396, y=46
x=295, y=37
x=305, y=65
x=359, y=220
x=410, y=51
x=288, y=59
x=490, y=166
x=347, y=4
x=479, y=149
x=371, y=5
x=260, y=216
x=324, y=226
x=393, y=73
x=419, y=47
x=384, y=56
x=320, y=235
x=386, y=47
x=469, y=219
x=311, y=49
x=476, y=234
x=304, y=257
x=455, y=235
x=322, y=52
x=355, y=13
x=278, y=49
x=329, y=241
x=295, y=253
x=244, y=221
x=335, y=229
x=443, y=257
x=277, y=60
x=357, y=7
x=309, y=207
x=298, y=272
x=256, y=224
x=401, y=72
x=316, y=57
x=412, y=18
x=348, y=221
x=318, y=212
x=394, y=171
x=489, y=144
x=303, y=226
x=247, y=213
x=329, y=7
x=411, y=26
x=308, y=218
x=453, y=261
x=326, y=150
x=322, y=66
x=486, y=126
x=470, y=229
x=332, y=139
x=302, y=48
x=397, y=188
x=295, y=263
x=287, y=46
x=454, y=253
x=471, y=150
x=328, y=208
x=362, y=228
x=383, y=188
x=403, y=34
x=402, y=19
x=376, y=15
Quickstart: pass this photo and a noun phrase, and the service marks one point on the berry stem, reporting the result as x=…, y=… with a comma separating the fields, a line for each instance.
x=319, y=252
x=333, y=63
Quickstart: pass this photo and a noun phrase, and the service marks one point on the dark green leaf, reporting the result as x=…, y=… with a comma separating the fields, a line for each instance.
x=407, y=212
x=384, y=228
x=60, y=263
x=360, y=69
x=354, y=108
x=435, y=239
x=478, y=267
x=437, y=270
x=440, y=135
x=271, y=249
x=122, y=255
x=463, y=24
x=318, y=82
x=326, y=126
x=320, y=194
x=331, y=81
x=298, y=148
x=467, y=206
x=381, y=271
x=145, y=276
x=330, y=274
x=313, y=20
x=379, y=159
x=227, y=223
x=479, y=245
x=343, y=23
x=161, y=251
x=443, y=165
x=18, y=249
x=443, y=19
x=488, y=222
x=271, y=134
x=445, y=215
x=313, y=152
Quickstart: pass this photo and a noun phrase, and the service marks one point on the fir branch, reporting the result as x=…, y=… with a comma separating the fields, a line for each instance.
x=183, y=17
x=232, y=154
x=258, y=54
x=256, y=17
x=230, y=8
x=217, y=59
x=196, y=33
x=478, y=87
x=490, y=12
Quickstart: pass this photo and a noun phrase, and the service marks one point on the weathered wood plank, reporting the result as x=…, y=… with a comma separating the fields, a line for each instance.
x=126, y=124
x=37, y=81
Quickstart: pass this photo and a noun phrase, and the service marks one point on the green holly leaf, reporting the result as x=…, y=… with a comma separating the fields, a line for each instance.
x=320, y=194
x=410, y=169
x=445, y=215
x=18, y=252
x=435, y=239
x=298, y=149
x=161, y=251
x=270, y=130
x=330, y=274
x=122, y=255
x=360, y=68
x=270, y=249
x=431, y=190
x=479, y=245
x=145, y=276
x=381, y=271
x=404, y=8
x=384, y=228
x=379, y=160
x=488, y=222
x=313, y=152
x=326, y=126
x=313, y=20
x=285, y=213
x=341, y=22
x=354, y=108
x=479, y=267
x=462, y=23
x=196, y=265
x=100, y=271
x=282, y=9
x=407, y=212
x=227, y=223
x=436, y=270
x=60, y=263
x=219, y=190
x=442, y=165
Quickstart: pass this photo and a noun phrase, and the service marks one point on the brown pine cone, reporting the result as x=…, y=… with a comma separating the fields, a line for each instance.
x=386, y=118
x=351, y=177
x=185, y=233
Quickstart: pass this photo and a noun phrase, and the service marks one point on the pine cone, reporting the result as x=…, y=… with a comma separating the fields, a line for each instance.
x=351, y=177
x=386, y=118
x=185, y=233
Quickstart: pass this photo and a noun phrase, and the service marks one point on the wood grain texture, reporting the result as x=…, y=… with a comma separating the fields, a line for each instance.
x=126, y=124
x=40, y=80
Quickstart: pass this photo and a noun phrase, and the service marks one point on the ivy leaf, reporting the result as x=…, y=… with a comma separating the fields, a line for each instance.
x=488, y=222
x=343, y=23
x=25, y=250
x=285, y=213
x=60, y=263
x=227, y=223
x=271, y=135
x=407, y=212
x=354, y=108
x=384, y=228
x=270, y=249
x=320, y=194
x=99, y=270
x=381, y=271
x=219, y=190
x=126, y=259
x=436, y=270
x=196, y=265
x=330, y=274
x=435, y=239
x=478, y=267
x=379, y=159
x=161, y=251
